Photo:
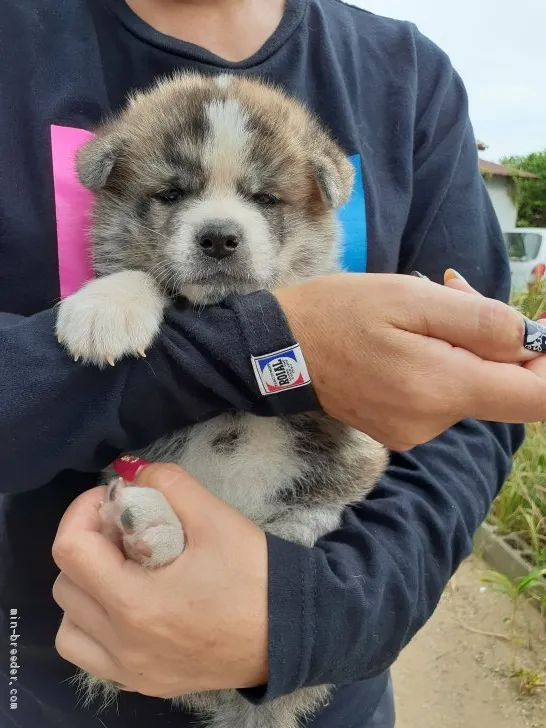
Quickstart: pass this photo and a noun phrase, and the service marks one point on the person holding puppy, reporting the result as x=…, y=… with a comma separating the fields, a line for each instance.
x=427, y=370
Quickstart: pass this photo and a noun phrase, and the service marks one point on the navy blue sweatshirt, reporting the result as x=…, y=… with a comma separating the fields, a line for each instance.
x=339, y=612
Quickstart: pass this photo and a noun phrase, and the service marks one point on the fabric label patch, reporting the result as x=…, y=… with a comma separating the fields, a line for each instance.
x=281, y=370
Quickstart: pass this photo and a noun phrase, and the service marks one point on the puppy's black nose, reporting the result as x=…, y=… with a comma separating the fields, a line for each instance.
x=219, y=240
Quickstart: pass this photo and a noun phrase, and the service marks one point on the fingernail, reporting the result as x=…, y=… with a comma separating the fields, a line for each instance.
x=129, y=466
x=416, y=274
x=451, y=274
x=534, y=338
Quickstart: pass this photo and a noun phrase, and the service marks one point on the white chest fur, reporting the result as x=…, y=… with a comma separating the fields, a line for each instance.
x=247, y=475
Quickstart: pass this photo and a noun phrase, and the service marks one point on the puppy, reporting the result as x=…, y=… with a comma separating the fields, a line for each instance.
x=203, y=188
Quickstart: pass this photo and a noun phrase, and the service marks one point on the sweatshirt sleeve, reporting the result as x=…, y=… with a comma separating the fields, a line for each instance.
x=57, y=415
x=356, y=599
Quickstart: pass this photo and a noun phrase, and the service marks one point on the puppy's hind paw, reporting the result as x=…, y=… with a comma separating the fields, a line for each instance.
x=150, y=530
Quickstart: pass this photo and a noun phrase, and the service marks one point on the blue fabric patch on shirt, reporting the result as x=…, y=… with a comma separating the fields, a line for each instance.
x=354, y=241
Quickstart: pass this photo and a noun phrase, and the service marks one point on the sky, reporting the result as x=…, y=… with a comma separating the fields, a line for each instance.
x=499, y=49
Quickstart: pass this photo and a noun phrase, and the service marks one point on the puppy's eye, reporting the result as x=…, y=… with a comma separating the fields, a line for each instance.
x=264, y=198
x=169, y=196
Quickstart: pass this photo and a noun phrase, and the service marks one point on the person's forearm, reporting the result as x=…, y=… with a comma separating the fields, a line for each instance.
x=358, y=597
x=56, y=414
x=78, y=417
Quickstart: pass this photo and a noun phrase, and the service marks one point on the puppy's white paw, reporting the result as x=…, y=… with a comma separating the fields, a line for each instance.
x=111, y=317
x=150, y=530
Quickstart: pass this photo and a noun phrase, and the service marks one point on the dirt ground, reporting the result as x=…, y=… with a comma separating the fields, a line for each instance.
x=453, y=677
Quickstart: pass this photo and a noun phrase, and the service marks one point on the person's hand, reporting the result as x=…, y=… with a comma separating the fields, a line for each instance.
x=404, y=359
x=182, y=628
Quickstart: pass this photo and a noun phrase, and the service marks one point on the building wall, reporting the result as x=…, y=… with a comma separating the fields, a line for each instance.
x=499, y=188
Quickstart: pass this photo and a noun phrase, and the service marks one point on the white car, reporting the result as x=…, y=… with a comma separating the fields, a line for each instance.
x=527, y=253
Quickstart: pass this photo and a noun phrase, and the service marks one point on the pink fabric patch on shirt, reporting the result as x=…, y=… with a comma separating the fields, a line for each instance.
x=72, y=207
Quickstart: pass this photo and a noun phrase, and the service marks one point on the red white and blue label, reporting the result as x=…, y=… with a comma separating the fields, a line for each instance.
x=281, y=370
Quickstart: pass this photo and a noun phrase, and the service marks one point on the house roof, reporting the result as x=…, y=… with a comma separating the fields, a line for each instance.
x=497, y=170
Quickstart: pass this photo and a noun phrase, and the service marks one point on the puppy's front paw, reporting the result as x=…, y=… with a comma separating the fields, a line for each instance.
x=111, y=317
x=150, y=530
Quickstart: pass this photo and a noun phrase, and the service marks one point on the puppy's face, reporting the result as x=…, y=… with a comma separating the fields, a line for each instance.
x=215, y=187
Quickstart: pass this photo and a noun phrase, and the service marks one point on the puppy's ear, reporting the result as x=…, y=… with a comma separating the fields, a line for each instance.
x=334, y=174
x=96, y=159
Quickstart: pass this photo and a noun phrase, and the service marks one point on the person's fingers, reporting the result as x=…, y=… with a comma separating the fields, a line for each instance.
x=190, y=500
x=77, y=647
x=499, y=392
x=488, y=328
x=81, y=609
x=538, y=368
x=453, y=279
x=85, y=555
x=174, y=482
x=459, y=384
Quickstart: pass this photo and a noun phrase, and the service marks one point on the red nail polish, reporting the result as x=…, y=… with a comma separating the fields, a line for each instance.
x=129, y=466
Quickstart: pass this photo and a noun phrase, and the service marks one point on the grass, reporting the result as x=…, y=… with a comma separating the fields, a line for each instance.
x=533, y=303
x=521, y=506
x=528, y=586
x=530, y=681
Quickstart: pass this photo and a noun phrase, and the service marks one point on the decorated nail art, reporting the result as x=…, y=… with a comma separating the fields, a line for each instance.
x=535, y=336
